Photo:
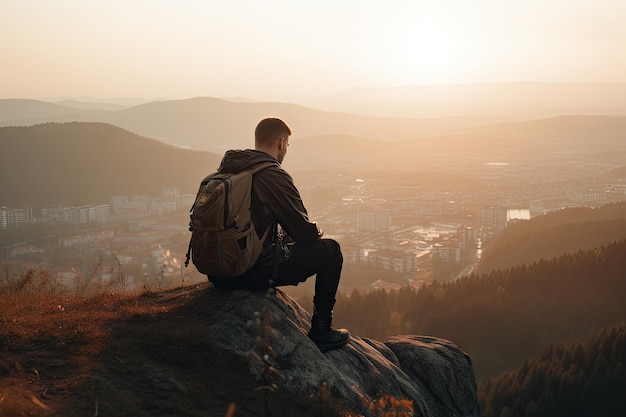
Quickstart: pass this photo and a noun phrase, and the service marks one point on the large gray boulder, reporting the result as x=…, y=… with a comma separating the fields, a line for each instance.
x=430, y=376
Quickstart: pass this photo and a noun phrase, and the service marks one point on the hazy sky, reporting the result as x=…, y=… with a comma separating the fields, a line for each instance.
x=281, y=48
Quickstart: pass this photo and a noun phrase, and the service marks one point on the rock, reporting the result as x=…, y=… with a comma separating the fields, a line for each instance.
x=269, y=331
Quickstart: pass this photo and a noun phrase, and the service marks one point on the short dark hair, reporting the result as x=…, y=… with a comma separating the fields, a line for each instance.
x=269, y=130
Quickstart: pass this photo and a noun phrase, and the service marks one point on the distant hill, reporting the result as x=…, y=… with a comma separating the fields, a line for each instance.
x=516, y=101
x=87, y=163
x=553, y=234
x=19, y=112
x=617, y=173
x=573, y=134
x=576, y=378
x=85, y=105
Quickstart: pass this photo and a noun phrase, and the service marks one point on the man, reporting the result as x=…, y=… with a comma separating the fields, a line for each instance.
x=276, y=203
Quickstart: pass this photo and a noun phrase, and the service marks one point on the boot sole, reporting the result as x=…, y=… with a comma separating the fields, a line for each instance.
x=330, y=346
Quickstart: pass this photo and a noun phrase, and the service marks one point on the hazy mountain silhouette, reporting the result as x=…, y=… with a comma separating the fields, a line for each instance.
x=19, y=112
x=86, y=105
x=617, y=172
x=87, y=163
x=518, y=101
x=559, y=139
x=563, y=133
x=204, y=123
x=216, y=125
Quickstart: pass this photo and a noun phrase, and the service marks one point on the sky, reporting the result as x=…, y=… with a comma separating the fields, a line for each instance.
x=269, y=49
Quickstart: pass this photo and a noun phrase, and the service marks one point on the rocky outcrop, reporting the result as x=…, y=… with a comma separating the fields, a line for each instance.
x=414, y=375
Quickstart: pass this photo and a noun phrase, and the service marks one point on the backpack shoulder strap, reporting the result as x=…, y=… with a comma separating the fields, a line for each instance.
x=261, y=166
x=253, y=171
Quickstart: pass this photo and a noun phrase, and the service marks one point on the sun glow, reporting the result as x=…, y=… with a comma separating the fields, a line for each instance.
x=432, y=48
x=424, y=49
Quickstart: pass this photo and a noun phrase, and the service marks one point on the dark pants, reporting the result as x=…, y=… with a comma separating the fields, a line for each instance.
x=322, y=258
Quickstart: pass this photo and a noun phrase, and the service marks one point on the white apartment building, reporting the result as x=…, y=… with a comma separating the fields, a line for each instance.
x=495, y=216
x=467, y=237
x=373, y=221
x=122, y=203
x=100, y=214
x=394, y=260
x=15, y=216
x=446, y=252
x=171, y=192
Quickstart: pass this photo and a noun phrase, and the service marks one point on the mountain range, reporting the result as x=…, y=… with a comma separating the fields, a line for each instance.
x=514, y=101
x=201, y=123
x=206, y=123
x=216, y=125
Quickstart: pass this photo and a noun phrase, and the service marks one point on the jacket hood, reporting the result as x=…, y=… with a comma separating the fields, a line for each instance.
x=238, y=160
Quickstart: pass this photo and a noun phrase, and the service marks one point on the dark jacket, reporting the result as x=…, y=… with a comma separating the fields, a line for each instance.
x=275, y=198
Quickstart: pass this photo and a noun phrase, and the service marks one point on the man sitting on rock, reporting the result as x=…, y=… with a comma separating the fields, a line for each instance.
x=302, y=253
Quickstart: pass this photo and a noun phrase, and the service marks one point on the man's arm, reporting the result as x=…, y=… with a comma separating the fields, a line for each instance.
x=285, y=203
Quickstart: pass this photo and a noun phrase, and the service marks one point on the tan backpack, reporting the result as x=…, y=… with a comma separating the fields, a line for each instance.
x=224, y=242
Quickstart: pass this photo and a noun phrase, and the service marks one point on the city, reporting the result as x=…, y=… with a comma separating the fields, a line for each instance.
x=408, y=233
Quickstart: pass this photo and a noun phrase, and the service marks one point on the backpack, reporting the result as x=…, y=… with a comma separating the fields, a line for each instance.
x=224, y=242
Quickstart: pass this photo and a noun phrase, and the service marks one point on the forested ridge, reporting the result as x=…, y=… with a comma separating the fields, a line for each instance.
x=506, y=316
x=87, y=163
x=553, y=234
x=576, y=378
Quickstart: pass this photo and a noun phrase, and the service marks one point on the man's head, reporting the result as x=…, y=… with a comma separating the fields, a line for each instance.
x=272, y=136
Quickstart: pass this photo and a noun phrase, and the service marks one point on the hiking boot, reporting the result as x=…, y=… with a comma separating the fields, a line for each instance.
x=326, y=338
x=322, y=333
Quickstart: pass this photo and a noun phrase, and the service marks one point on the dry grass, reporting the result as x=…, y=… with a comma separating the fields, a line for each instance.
x=48, y=342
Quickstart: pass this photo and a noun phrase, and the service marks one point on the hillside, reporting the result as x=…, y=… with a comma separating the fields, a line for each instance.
x=506, y=316
x=87, y=163
x=572, y=379
x=574, y=134
x=554, y=234
x=617, y=173
x=18, y=112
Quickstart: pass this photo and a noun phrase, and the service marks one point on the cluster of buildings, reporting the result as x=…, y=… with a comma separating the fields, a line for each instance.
x=378, y=224
x=119, y=210
x=131, y=229
x=393, y=252
x=373, y=235
x=15, y=216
